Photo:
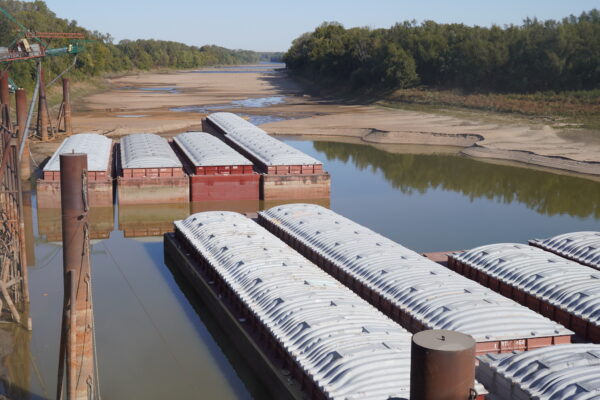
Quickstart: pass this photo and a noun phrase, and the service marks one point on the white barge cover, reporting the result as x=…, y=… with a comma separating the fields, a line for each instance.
x=347, y=346
x=432, y=294
x=205, y=150
x=228, y=122
x=565, y=371
x=97, y=148
x=563, y=283
x=583, y=247
x=147, y=150
x=268, y=150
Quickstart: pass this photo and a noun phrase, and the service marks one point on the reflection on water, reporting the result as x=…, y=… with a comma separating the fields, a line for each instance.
x=544, y=192
x=100, y=221
x=156, y=341
x=263, y=68
x=152, y=344
x=149, y=219
x=15, y=365
x=256, y=102
x=262, y=119
x=166, y=89
x=436, y=202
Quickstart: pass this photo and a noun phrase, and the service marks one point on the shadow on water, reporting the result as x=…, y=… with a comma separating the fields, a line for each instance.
x=185, y=293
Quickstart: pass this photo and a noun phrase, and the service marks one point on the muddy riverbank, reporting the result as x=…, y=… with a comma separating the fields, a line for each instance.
x=173, y=102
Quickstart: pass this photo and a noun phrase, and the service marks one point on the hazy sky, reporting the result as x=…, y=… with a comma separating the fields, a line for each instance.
x=270, y=25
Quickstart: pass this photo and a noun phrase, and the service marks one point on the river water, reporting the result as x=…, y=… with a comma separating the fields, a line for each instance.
x=155, y=342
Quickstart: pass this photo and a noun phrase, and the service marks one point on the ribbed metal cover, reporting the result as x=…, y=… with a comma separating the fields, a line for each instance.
x=269, y=150
x=432, y=294
x=147, y=150
x=563, y=283
x=583, y=247
x=203, y=150
x=566, y=371
x=97, y=148
x=228, y=122
x=349, y=348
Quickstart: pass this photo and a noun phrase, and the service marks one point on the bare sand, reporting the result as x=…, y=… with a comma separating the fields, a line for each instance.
x=144, y=103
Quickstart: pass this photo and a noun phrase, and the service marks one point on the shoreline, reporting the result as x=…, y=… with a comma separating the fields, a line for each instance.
x=479, y=135
x=467, y=145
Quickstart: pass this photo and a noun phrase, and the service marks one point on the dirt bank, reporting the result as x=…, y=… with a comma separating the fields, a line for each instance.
x=148, y=103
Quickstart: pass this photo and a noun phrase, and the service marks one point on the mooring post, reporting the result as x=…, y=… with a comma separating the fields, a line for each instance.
x=5, y=99
x=42, y=125
x=77, y=335
x=442, y=366
x=21, y=102
x=67, y=108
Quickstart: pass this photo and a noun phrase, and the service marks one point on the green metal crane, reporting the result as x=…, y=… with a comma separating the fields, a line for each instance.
x=20, y=49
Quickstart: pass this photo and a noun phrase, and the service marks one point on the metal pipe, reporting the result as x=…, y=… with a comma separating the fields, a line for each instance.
x=24, y=161
x=77, y=275
x=31, y=107
x=4, y=94
x=67, y=107
x=5, y=100
x=442, y=366
x=42, y=110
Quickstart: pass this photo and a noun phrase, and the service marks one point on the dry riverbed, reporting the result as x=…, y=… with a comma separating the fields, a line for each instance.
x=168, y=103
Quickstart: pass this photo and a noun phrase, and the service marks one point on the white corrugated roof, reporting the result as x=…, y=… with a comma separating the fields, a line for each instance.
x=349, y=348
x=203, y=149
x=567, y=371
x=583, y=247
x=561, y=282
x=431, y=293
x=147, y=150
x=269, y=150
x=97, y=148
x=257, y=142
x=228, y=122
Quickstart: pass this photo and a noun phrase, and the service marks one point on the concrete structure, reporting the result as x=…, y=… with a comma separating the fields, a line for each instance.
x=287, y=173
x=412, y=290
x=150, y=172
x=570, y=371
x=557, y=288
x=217, y=172
x=99, y=174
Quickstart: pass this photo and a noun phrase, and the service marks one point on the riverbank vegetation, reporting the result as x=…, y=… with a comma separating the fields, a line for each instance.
x=101, y=55
x=535, y=68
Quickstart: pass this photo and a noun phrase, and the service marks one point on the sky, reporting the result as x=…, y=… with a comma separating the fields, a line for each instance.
x=271, y=25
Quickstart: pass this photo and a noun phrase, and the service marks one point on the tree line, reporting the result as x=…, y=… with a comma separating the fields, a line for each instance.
x=534, y=56
x=101, y=55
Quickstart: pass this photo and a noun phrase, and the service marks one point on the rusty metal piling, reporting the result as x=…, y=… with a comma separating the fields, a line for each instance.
x=65, y=109
x=77, y=335
x=5, y=100
x=42, y=125
x=21, y=102
x=442, y=366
